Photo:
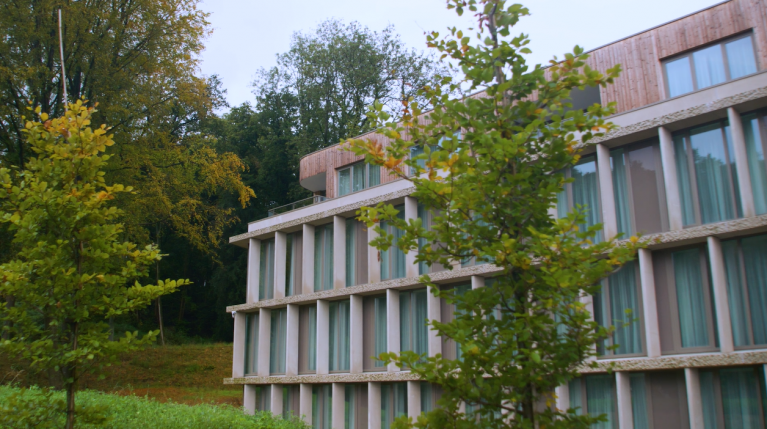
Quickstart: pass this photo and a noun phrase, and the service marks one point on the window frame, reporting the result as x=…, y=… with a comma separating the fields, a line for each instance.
x=366, y=177
x=725, y=61
x=638, y=314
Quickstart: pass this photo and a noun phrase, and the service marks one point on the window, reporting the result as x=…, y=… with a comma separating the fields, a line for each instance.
x=356, y=252
x=427, y=220
x=708, y=183
x=393, y=259
x=291, y=400
x=322, y=406
x=356, y=406
x=294, y=251
x=323, y=257
x=659, y=400
x=451, y=349
x=412, y=319
x=420, y=149
x=685, y=309
x=710, y=65
x=357, y=177
x=393, y=402
x=266, y=270
x=732, y=398
x=744, y=262
x=756, y=145
x=638, y=185
x=621, y=294
x=307, y=339
x=374, y=327
x=264, y=398
x=340, y=332
x=583, y=191
x=595, y=395
x=278, y=344
x=251, y=343
x=430, y=394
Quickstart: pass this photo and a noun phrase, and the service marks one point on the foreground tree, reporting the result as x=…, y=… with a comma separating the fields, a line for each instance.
x=73, y=271
x=491, y=168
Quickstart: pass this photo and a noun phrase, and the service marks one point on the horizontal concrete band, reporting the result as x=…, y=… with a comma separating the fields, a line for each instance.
x=602, y=366
x=691, y=235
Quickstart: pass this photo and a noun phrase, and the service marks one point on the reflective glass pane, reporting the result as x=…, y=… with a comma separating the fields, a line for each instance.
x=679, y=77
x=740, y=57
x=344, y=182
x=709, y=66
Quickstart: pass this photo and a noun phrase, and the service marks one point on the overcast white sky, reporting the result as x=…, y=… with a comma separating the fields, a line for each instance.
x=247, y=34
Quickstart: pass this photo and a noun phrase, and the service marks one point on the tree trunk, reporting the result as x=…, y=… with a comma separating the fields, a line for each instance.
x=159, y=321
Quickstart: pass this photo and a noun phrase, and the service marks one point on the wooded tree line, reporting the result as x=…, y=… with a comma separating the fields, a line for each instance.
x=203, y=169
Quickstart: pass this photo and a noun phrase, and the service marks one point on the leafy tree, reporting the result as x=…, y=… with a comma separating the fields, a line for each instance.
x=491, y=169
x=73, y=271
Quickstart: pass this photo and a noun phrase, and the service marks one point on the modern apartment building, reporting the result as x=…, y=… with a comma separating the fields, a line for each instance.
x=686, y=167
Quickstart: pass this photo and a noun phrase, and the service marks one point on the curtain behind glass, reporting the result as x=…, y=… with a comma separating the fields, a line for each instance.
x=425, y=221
x=251, y=343
x=266, y=270
x=563, y=203
x=621, y=192
x=420, y=316
x=740, y=57
x=400, y=399
x=740, y=398
x=708, y=399
x=756, y=164
x=358, y=181
x=323, y=257
x=576, y=396
x=393, y=259
x=709, y=66
x=386, y=405
x=683, y=176
x=339, y=336
x=344, y=182
x=380, y=328
x=689, y=292
x=351, y=252
x=278, y=343
x=712, y=173
x=405, y=322
x=599, y=399
x=322, y=406
x=623, y=296
x=426, y=397
x=416, y=151
x=679, y=77
x=639, y=401
x=290, y=263
x=586, y=192
x=754, y=257
x=374, y=175
x=737, y=300
x=312, y=338
x=350, y=406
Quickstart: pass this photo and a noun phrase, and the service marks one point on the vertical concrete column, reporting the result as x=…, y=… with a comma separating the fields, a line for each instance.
x=374, y=259
x=625, y=413
x=393, y=328
x=254, y=265
x=355, y=316
x=337, y=405
x=741, y=160
x=413, y=399
x=462, y=407
x=305, y=402
x=411, y=212
x=276, y=400
x=280, y=258
x=721, y=300
x=563, y=397
x=291, y=336
x=238, y=346
x=307, y=260
x=670, y=178
x=433, y=311
x=649, y=304
x=264, y=341
x=374, y=405
x=249, y=399
x=339, y=252
x=694, y=402
x=606, y=193
x=477, y=282
x=553, y=212
x=323, y=337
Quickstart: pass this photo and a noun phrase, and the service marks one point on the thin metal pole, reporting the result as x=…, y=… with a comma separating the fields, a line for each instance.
x=63, y=73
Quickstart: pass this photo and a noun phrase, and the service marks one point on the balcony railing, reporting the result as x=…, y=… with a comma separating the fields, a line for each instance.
x=296, y=205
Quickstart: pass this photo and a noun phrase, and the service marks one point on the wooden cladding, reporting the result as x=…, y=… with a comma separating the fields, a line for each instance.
x=641, y=82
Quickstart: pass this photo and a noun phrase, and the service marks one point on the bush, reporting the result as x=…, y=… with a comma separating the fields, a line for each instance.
x=36, y=408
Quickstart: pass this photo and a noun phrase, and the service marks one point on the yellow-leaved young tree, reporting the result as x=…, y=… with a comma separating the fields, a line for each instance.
x=72, y=270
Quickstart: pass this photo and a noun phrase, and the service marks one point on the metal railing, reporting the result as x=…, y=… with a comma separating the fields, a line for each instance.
x=296, y=205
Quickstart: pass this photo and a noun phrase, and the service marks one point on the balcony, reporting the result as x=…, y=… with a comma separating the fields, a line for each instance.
x=296, y=205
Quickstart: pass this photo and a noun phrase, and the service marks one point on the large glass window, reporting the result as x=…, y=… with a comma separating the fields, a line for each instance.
x=427, y=220
x=393, y=402
x=744, y=260
x=659, y=400
x=357, y=177
x=584, y=192
x=307, y=339
x=264, y=398
x=340, y=332
x=374, y=326
x=266, y=270
x=413, y=318
x=356, y=406
x=448, y=311
x=706, y=170
x=323, y=257
x=619, y=305
x=251, y=343
x=732, y=398
x=595, y=395
x=322, y=406
x=710, y=65
x=685, y=306
x=756, y=146
x=291, y=400
x=356, y=252
x=640, y=198
x=278, y=344
x=393, y=259
x=430, y=394
x=293, y=262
